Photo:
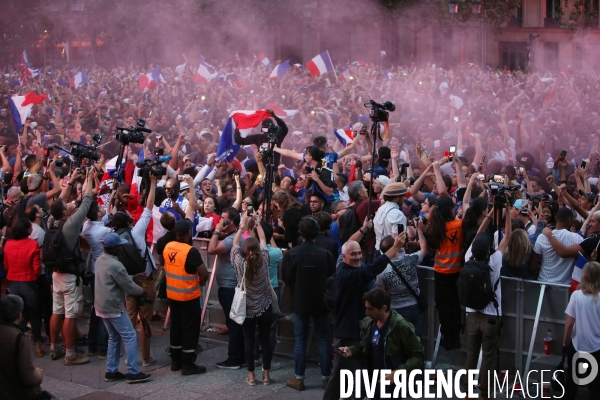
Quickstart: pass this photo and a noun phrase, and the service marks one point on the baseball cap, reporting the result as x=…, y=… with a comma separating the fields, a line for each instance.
x=588, y=195
x=113, y=240
x=518, y=204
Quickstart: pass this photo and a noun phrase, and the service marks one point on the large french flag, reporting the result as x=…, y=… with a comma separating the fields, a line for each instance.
x=79, y=79
x=577, y=272
x=149, y=81
x=20, y=107
x=345, y=136
x=204, y=73
x=279, y=70
x=320, y=64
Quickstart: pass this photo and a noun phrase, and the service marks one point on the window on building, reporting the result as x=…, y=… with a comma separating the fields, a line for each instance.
x=76, y=5
x=552, y=13
x=514, y=55
x=516, y=20
x=551, y=55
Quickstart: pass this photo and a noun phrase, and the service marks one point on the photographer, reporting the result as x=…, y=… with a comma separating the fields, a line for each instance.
x=258, y=140
x=112, y=282
x=137, y=233
x=67, y=288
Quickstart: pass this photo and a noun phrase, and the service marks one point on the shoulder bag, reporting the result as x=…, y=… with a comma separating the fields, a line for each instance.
x=238, y=307
x=421, y=300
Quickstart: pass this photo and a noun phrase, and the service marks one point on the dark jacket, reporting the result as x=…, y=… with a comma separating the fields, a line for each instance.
x=325, y=242
x=403, y=348
x=291, y=219
x=258, y=140
x=305, y=269
x=18, y=378
x=349, y=287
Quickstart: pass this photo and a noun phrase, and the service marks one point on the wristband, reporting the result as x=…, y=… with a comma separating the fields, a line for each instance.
x=216, y=233
x=361, y=231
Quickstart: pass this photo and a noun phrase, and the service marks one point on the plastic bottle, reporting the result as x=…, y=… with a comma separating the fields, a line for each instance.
x=548, y=343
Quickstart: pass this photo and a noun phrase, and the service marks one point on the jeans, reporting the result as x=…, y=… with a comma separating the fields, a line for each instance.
x=263, y=322
x=413, y=315
x=97, y=335
x=145, y=311
x=301, y=324
x=235, y=350
x=120, y=328
x=28, y=291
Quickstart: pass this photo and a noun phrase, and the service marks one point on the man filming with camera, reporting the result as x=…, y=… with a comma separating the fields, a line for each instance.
x=268, y=127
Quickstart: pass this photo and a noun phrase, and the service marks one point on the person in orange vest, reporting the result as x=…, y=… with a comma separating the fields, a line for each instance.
x=445, y=236
x=185, y=272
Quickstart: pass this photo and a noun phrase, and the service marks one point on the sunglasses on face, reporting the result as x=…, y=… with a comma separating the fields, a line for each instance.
x=229, y=190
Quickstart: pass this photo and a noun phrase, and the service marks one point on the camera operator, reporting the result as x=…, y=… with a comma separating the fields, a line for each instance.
x=320, y=177
x=38, y=190
x=258, y=140
x=112, y=282
x=67, y=296
x=120, y=223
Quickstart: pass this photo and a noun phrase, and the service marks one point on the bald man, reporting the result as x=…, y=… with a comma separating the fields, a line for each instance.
x=352, y=280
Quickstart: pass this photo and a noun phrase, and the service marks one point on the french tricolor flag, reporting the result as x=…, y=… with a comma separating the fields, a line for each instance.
x=345, y=136
x=233, y=78
x=345, y=76
x=20, y=107
x=25, y=59
x=279, y=70
x=245, y=121
x=262, y=58
x=577, y=272
x=320, y=64
x=149, y=81
x=204, y=73
x=79, y=79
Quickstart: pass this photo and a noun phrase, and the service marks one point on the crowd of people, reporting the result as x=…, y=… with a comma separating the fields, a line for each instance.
x=476, y=166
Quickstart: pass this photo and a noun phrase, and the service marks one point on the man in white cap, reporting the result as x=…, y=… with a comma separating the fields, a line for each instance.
x=390, y=214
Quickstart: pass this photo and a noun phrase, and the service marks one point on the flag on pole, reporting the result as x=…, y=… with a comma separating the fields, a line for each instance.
x=204, y=73
x=149, y=81
x=345, y=136
x=262, y=58
x=279, y=70
x=20, y=107
x=180, y=69
x=25, y=59
x=79, y=79
x=320, y=64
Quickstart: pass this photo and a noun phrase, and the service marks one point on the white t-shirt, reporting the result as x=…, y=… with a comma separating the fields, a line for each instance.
x=496, y=266
x=586, y=333
x=555, y=269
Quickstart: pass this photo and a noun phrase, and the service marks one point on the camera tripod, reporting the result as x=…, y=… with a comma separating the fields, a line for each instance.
x=269, y=163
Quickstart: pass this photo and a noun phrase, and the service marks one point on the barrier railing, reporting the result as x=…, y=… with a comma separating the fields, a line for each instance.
x=529, y=309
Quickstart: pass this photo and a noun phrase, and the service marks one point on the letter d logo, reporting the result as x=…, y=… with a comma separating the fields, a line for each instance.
x=584, y=368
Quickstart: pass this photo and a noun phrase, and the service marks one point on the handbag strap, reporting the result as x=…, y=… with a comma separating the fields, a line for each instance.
x=403, y=279
x=242, y=285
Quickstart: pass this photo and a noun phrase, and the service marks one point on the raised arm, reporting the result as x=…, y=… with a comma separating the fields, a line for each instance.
x=238, y=196
x=289, y=153
x=189, y=212
x=441, y=186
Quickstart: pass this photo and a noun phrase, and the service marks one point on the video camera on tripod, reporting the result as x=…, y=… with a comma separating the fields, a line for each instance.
x=379, y=112
x=79, y=151
x=499, y=190
x=133, y=134
x=147, y=168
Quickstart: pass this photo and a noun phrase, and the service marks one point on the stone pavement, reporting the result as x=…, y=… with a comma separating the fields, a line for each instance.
x=87, y=381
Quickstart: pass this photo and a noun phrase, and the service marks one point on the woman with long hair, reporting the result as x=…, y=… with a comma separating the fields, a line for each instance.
x=472, y=219
x=251, y=265
x=515, y=261
x=289, y=212
x=23, y=267
x=445, y=236
x=582, y=329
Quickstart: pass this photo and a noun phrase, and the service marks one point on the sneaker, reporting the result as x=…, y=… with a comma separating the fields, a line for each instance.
x=102, y=356
x=297, y=384
x=114, y=376
x=58, y=353
x=193, y=369
x=148, y=362
x=274, y=366
x=228, y=365
x=77, y=360
x=137, y=378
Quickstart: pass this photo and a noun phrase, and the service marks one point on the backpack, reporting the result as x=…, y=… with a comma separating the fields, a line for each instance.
x=475, y=289
x=348, y=224
x=130, y=257
x=56, y=254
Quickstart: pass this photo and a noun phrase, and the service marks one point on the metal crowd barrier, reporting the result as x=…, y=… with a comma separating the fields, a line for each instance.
x=529, y=309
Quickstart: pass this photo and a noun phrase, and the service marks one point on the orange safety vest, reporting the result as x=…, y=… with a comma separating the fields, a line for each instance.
x=181, y=286
x=449, y=257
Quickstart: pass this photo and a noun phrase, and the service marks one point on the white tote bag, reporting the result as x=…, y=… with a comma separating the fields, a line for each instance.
x=238, y=307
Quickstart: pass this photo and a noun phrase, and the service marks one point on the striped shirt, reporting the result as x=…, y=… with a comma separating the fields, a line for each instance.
x=555, y=269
